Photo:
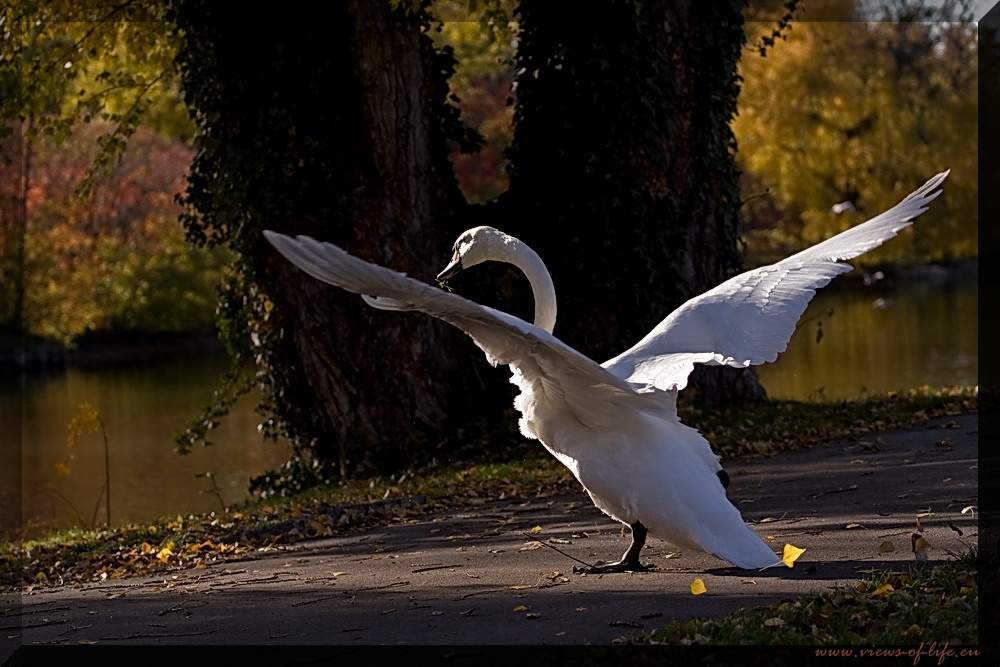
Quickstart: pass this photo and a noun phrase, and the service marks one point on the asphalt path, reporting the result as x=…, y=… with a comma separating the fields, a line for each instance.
x=481, y=575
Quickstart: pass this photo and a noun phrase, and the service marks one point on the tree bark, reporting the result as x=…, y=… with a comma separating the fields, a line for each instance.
x=384, y=384
x=623, y=179
x=623, y=165
x=335, y=134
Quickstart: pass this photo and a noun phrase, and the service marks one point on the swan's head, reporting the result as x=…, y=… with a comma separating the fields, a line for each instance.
x=476, y=246
x=481, y=244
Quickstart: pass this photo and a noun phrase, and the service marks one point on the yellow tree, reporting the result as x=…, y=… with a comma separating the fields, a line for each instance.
x=845, y=116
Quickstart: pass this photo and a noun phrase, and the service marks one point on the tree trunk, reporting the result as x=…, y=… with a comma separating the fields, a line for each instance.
x=623, y=166
x=623, y=179
x=14, y=175
x=335, y=134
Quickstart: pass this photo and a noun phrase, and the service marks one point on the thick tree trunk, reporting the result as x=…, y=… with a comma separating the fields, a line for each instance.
x=337, y=134
x=382, y=384
x=623, y=173
x=623, y=180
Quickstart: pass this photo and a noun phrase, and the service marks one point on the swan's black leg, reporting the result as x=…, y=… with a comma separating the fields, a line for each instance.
x=724, y=478
x=630, y=559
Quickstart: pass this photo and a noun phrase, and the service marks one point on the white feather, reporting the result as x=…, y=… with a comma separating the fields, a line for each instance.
x=615, y=425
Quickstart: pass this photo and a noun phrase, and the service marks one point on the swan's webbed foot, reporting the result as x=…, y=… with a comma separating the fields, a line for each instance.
x=630, y=559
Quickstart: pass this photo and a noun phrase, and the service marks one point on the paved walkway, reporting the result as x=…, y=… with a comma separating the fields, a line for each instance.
x=475, y=577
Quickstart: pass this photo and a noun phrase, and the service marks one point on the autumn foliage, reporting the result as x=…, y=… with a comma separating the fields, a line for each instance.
x=116, y=260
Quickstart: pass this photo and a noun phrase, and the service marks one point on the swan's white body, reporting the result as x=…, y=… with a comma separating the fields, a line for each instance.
x=615, y=425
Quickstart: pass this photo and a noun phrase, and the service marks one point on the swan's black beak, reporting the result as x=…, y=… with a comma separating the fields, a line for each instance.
x=449, y=271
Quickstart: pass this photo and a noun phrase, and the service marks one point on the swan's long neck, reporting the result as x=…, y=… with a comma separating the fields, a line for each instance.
x=516, y=252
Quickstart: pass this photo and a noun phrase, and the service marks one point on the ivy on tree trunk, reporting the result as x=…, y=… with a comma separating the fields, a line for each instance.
x=622, y=178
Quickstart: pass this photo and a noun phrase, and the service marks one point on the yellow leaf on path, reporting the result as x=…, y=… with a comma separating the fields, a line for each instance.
x=791, y=554
x=536, y=529
x=698, y=587
x=520, y=607
x=886, y=547
x=164, y=553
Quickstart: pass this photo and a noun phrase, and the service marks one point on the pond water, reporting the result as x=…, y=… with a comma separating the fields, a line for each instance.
x=885, y=337
x=856, y=340
x=142, y=406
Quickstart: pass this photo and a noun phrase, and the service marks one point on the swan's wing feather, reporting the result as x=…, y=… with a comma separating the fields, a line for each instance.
x=749, y=319
x=554, y=368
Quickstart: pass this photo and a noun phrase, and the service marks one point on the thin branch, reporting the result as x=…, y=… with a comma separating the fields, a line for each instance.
x=545, y=544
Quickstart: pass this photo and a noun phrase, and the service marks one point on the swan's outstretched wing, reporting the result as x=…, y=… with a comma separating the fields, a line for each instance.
x=556, y=371
x=749, y=319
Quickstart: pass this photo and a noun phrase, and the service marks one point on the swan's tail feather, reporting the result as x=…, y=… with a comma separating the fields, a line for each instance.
x=745, y=549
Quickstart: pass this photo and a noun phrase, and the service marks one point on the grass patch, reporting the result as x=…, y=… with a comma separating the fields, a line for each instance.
x=774, y=426
x=518, y=471
x=938, y=604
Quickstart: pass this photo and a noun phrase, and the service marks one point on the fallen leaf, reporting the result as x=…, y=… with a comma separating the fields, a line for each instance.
x=791, y=554
x=970, y=509
x=698, y=587
x=886, y=547
x=774, y=622
x=536, y=529
x=884, y=590
x=851, y=526
x=532, y=615
x=520, y=607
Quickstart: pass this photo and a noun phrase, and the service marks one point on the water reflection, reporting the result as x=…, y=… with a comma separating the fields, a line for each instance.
x=857, y=340
x=141, y=406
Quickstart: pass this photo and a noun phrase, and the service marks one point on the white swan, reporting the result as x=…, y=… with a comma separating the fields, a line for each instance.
x=615, y=425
